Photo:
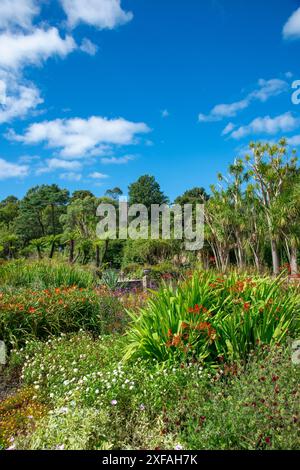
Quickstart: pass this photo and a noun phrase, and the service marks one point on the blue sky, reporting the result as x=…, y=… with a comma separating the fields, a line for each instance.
x=95, y=93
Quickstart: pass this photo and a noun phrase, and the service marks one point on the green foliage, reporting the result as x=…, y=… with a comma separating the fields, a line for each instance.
x=110, y=279
x=40, y=211
x=192, y=196
x=146, y=191
x=207, y=318
x=43, y=274
x=149, y=251
x=98, y=402
x=113, y=255
x=26, y=313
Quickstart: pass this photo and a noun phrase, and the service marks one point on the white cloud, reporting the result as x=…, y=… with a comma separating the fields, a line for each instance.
x=97, y=176
x=18, y=49
x=294, y=141
x=266, y=89
x=29, y=158
x=70, y=176
x=221, y=111
x=88, y=47
x=53, y=164
x=103, y=14
x=12, y=170
x=228, y=129
x=18, y=13
x=291, y=29
x=267, y=125
x=2, y=93
x=165, y=113
x=17, y=99
x=117, y=161
x=82, y=137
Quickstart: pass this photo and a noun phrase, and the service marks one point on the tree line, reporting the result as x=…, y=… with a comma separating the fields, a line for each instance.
x=252, y=217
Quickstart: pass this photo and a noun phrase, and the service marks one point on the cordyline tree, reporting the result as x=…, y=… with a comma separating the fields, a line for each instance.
x=257, y=205
x=272, y=169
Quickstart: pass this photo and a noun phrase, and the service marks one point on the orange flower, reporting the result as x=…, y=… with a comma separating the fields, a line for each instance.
x=203, y=326
x=170, y=334
x=31, y=310
x=176, y=340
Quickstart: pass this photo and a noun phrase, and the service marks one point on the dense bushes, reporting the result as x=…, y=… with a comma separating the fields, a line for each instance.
x=43, y=274
x=98, y=402
x=211, y=319
x=149, y=251
x=26, y=313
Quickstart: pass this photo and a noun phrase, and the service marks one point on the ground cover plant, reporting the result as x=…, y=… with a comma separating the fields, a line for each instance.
x=95, y=400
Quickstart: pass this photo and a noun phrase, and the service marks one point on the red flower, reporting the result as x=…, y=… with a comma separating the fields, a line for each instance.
x=247, y=306
x=268, y=441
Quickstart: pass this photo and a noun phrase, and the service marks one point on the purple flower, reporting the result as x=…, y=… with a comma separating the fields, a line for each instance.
x=61, y=447
x=113, y=402
x=12, y=447
x=178, y=447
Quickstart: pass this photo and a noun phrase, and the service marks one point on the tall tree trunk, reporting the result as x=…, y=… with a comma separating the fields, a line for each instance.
x=98, y=261
x=105, y=249
x=274, y=249
x=256, y=259
x=53, y=219
x=72, y=248
x=52, y=250
x=275, y=257
x=39, y=253
x=293, y=259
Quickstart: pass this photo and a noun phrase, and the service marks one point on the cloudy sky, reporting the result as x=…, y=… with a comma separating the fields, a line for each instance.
x=94, y=93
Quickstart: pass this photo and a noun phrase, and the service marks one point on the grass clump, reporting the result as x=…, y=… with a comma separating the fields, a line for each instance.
x=209, y=319
x=44, y=275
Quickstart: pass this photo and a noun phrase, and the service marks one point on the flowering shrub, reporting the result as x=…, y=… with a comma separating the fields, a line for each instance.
x=99, y=402
x=209, y=318
x=26, y=314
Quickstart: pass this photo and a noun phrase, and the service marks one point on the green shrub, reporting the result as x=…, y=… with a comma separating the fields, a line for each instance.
x=43, y=274
x=67, y=429
x=207, y=318
x=149, y=251
x=110, y=279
